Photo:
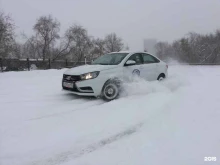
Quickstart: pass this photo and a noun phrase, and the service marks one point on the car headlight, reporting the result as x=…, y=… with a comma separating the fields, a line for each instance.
x=90, y=75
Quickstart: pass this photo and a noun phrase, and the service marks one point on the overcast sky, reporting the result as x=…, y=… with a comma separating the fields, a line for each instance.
x=133, y=20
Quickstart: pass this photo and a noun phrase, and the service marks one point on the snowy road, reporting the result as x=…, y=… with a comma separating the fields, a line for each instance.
x=175, y=122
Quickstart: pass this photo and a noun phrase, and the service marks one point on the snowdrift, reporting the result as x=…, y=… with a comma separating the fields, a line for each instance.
x=170, y=122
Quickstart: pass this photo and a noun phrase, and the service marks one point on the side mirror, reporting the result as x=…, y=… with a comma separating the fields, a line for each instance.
x=130, y=62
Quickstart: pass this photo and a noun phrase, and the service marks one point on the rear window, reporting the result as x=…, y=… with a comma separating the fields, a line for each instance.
x=149, y=59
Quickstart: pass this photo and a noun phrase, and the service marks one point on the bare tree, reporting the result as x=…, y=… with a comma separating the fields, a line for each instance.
x=79, y=42
x=127, y=47
x=17, y=50
x=216, y=58
x=64, y=48
x=47, y=32
x=193, y=48
x=161, y=49
x=6, y=35
x=32, y=48
x=113, y=43
x=98, y=48
x=165, y=51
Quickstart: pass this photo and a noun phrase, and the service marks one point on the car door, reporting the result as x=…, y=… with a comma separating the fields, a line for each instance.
x=134, y=70
x=150, y=70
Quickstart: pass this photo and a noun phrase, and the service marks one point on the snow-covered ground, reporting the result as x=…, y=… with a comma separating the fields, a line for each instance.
x=175, y=122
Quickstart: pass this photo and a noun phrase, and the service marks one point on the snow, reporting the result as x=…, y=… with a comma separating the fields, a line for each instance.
x=174, y=122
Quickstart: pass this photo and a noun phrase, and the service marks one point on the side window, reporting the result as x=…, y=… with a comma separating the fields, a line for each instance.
x=149, y=59
x=137, y=58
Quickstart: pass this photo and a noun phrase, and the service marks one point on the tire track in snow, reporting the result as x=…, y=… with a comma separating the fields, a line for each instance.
x=51, y=99
x=69, y=155
x=66, y=112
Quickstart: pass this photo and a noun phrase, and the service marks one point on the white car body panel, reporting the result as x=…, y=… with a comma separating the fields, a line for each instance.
x=128, y=72
x=149, y=72
x=88, y=68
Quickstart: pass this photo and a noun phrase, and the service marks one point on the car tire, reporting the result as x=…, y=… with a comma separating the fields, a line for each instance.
x=110, y=91
x=161, y=77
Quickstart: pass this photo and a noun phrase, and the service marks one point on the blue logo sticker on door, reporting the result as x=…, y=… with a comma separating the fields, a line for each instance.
x=136, y=72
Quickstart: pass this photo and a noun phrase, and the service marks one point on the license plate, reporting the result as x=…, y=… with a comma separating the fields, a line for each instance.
x=68, y=85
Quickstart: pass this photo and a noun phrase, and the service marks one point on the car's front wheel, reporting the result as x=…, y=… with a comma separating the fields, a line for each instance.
x=110, y=91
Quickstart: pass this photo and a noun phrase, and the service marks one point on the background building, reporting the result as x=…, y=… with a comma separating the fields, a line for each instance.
x=149, y=45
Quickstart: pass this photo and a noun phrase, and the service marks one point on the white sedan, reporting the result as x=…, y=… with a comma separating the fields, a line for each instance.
x=104, y=77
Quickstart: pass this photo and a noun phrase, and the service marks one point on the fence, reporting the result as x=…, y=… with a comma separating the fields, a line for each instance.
x=33, y=64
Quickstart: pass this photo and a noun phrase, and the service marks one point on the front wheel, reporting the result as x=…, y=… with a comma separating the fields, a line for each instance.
x=110, y=91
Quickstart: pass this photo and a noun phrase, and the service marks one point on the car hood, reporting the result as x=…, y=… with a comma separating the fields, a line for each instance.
x=88, y=68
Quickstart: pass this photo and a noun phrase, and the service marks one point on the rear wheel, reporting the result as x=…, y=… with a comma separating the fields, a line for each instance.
x=161, y=77
x=110, y=91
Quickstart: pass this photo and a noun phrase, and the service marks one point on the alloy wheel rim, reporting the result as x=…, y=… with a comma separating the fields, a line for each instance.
x=161, y=78
x=110, y=91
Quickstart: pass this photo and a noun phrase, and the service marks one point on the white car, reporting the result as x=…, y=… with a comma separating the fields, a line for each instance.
x=104, y=77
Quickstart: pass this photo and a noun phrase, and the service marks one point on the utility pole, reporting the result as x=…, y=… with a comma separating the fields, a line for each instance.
x=85, y=59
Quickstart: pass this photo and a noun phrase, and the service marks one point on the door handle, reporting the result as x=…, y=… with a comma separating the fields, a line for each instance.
x=141, y=67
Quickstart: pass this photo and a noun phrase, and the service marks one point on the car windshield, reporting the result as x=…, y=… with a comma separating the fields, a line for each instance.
x=110, y=59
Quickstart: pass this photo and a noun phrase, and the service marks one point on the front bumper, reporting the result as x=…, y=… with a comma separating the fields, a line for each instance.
x=78, y=93
x=91, y=87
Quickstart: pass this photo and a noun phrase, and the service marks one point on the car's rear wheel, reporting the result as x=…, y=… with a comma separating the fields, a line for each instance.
x=110, y=91
x=161, y=77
